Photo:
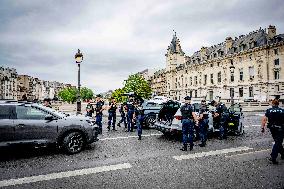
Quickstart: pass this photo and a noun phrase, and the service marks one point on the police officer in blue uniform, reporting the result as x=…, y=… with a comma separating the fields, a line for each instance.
x=221, y=117
x=123, y=115
x=275, y=118
x=188, y=121
x=139, y=116
x=130, y=112
x=203, y=123
x=112, y=115
x=99, y=112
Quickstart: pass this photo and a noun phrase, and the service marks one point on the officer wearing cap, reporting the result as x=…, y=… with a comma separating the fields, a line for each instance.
x=112, y=114
x=221, y=116
x=188, y=118
x=99, y=112
x=203, y=123
x=130, y=112
x=275, y=118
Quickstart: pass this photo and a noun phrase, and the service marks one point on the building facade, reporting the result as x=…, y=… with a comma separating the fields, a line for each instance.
x=249, y=67
x=8, y=83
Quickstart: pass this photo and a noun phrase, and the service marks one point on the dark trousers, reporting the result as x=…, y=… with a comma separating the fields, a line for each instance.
x=277, y=134
x=111, y=119
x=99, y=119
x=223, y=125
x=187, y=131
x=203, y=129
x=123, y=119
x=139, y=121
x=130, y=123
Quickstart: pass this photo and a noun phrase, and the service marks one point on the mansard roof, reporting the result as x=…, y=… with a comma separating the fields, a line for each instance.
x=175, y=46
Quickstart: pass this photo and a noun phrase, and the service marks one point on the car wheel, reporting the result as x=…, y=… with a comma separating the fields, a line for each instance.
x=73, y=143
x=150, y=120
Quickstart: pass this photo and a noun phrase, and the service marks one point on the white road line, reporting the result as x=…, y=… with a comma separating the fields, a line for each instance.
x=248, y=153
x=259, y=115
x=252, y=126
x=115, y=138
x=52, y=176
x=211, y=153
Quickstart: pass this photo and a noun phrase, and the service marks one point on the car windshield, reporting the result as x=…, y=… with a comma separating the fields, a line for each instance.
x=59, y=114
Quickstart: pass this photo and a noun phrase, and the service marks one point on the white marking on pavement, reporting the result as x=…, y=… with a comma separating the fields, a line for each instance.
x=252, y=126
x=115, y=138
x=52, y=176
x=248, y=153
x=211, y=153
x=259, y=115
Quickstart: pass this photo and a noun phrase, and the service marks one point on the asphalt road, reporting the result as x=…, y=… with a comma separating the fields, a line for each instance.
x=119, y=160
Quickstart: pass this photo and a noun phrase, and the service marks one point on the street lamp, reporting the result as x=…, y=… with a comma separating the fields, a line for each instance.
x=232, y=68
x=79, y=59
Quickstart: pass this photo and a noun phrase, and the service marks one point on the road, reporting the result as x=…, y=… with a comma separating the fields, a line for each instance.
x=119, y=160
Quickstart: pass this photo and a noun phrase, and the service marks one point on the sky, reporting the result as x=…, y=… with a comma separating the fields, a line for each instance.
x=118, y=37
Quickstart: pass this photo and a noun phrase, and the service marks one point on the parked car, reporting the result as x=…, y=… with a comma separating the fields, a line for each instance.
x=169, y=119
x=30, y=123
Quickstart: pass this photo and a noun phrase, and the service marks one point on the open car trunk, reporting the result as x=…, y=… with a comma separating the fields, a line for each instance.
x=168, y=111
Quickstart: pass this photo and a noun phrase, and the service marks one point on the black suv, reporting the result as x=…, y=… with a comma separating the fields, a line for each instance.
x=30, y=123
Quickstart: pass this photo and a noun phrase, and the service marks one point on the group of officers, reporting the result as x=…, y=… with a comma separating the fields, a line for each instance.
x=131, y=114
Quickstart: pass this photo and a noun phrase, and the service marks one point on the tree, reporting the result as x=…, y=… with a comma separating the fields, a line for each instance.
x=86, y=94
x=118, y=95
x=68, y=94
x=137, y=84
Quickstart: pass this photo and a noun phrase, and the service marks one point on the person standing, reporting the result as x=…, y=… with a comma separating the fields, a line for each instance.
x=221, y=117
x=188, y=121
x=89, y=109
x=203, y=123
x=99, y=112
x=112, y=114
x=122, y=111
x=275, y=118
x=130, y=113
x=138, y=117
x=47, y=103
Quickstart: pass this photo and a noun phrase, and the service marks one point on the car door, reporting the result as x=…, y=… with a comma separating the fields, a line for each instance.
x=7, y=129
x=31, y=125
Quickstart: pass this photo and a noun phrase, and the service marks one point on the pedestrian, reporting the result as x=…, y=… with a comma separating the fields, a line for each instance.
x=130, y=113
x=275, y=118
x=221, y=118
x=122, y=111
x=188, y=120
x=112, y=114
x=203, y=123
x=89, y=109
x=47, y=103
x=139, y=117
x=99, y=112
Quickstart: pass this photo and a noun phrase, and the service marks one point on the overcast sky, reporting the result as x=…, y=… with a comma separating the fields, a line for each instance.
x=117, y=37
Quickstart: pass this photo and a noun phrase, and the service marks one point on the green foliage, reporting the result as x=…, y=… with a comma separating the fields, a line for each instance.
x=117, y=95
x=70, y=94
x=137, y=84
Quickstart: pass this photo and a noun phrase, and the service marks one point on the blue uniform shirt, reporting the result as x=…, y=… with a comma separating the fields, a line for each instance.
x=275, y=116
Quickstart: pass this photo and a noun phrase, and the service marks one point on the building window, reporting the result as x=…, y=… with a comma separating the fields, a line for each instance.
x=218, y=64
x=231, y=61
x=190, y=80
x=250, y=57
x=276, y=62
x=211, y=65
x=276, y=51
x=195, y=80
x=241, y=92
x=232, y=77
x=276, y=75
x=250, y=91
x=241, y=74
x=251, y=72
x=205, y=79
x=190, y=93
x=211, y=79
x=219, y=77
x=231, y=92
x=277, y=88
x=195, y=93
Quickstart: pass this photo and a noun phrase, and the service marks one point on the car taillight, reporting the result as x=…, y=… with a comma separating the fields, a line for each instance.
x=178, y=117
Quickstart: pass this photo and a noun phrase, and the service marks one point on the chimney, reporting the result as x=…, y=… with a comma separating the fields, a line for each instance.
x=271, y=31
x=229, y=43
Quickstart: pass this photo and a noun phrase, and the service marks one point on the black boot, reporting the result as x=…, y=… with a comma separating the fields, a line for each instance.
x=203, y=144
x=118, y=125
x=273, y=161
x=184, y=148
x=139, y=137
x=108, y=128
x=191, y=147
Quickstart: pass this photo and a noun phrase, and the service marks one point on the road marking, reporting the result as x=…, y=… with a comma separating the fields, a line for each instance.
x=247, y=153
x=115, y=138
x=259, y=115
x=212, y=153
x=52, y=176
x=252, y=126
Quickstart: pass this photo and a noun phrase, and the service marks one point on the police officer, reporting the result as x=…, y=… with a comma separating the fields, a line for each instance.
x=221, y=117
x=99, y=112
x=112, y=114
x=275, y=118
x=203, y=123
x=188, y=118
x=139, y=116
x=89, y=109
x=122, y=114
x=130, y=112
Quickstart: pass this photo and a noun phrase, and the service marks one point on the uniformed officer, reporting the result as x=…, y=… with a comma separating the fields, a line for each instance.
x=122, y=111
x=221, y=117
x=112, y=114
x=99, y=112
x=89, y=109
x=130, y=113
x=203, y=122
x=188, y=121
x=139, y=116
x=275, y=118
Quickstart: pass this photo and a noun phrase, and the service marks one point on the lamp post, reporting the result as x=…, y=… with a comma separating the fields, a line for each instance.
x=79, y=59
x=232, y=68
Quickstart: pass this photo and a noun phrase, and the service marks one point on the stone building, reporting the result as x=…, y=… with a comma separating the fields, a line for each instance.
x=8, y=83
x=248, y=67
